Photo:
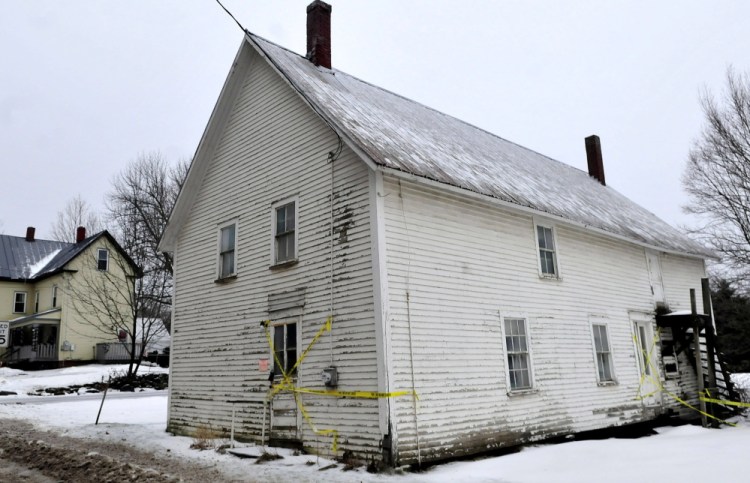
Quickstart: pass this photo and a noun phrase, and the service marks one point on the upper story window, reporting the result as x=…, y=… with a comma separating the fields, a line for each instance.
x=19, y=303
x=603, y=353
x=285, y=232
x=36, y=302
x=102, y=259
x=227, y=250
x=519, y=357
x=54, y=296
x=547, y=251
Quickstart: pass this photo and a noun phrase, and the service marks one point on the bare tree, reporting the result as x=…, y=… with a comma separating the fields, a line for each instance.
x=139, y=206
x=717, y=177
x=77, y=212
x=114, y=303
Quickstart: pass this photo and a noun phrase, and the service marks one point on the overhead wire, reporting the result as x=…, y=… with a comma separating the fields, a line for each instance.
x=233, y=17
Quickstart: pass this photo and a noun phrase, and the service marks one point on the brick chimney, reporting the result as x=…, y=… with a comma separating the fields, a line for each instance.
x=80, y=234
x=319, y=33
x=30, y=233
x=594, y=157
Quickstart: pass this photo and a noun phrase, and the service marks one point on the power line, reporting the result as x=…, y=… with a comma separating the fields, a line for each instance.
x=230, y=14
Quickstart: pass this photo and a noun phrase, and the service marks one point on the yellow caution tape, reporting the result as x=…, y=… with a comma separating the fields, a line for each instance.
x=354, y=394
x=725, y=402
x=287, y=384
x=322, y=432
x=660, y=387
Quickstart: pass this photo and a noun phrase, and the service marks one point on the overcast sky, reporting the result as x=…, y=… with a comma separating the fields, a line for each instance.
x=85, y=86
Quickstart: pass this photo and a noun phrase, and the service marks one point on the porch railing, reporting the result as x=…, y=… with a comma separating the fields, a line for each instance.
x=42, y=352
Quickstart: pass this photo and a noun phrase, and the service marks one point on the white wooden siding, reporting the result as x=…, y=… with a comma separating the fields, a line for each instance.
x=273, y=147
x=680, y=274
x=465, y=265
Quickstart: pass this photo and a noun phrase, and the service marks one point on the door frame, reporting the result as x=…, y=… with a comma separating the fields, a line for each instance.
x=646, y=355
x=285, y=398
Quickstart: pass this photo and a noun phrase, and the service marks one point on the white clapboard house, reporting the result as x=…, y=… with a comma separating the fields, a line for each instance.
x=513, y=294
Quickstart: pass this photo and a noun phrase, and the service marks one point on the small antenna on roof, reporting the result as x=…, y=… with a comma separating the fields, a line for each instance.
x=230, y=14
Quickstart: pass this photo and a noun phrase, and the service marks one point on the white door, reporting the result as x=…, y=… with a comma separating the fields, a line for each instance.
x=285, y=417
x=649, y=390
x=654, y=274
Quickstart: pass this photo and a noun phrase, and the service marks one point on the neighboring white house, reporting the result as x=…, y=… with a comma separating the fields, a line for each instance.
x=514, y=294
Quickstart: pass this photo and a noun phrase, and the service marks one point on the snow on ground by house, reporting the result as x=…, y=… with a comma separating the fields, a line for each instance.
x=24, y=382
x=140, y=421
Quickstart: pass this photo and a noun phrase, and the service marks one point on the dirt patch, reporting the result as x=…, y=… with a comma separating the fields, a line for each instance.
x=69, y=459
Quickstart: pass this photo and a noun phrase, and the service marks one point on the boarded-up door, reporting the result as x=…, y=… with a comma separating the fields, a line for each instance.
x=654, y=273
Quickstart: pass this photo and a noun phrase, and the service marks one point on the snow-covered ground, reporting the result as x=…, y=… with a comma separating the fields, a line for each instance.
x=140, y=421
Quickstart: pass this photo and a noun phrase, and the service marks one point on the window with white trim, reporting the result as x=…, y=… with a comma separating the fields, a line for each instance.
x=603, y=353
x=517, y=349
x=285, y=347
x=547, y=255
x=102, y=259
x=227, y=250
x=284, y=232
x=19, y=303
x=54, y=296
x=36, y=301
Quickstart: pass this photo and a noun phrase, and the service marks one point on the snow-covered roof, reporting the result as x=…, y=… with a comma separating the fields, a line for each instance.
x=21, y=259
x=402, y=135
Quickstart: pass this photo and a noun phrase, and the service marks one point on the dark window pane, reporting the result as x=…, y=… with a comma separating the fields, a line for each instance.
x=291, y=359
x=280, y=220
x=227, y=238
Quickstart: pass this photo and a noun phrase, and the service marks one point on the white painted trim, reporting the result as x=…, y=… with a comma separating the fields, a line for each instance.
x=219, y=228
x=637, y=318
x=537, y=222
x=25, y=301
x=381, y=300
x=173, y=336
x=293, y=199
x=527, y=210
x=295, y=319
x=527, y=325
x=205, y=150
x=320, y=112
x=599, y=320
x=98, y=251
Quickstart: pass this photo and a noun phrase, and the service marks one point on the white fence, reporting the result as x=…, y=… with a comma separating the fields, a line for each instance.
x=115, y=351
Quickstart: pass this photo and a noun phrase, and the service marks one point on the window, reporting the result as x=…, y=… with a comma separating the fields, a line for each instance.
x=54, y=296
x=603, y=353
x=547, y=258
x=19, y=303
x=36, y=302
x=517, y=347
x=285, y=347
x=284, y=233
x=102, y=259
x=227, y=243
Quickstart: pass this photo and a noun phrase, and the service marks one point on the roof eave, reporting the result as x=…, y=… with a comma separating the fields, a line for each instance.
x=532, y=211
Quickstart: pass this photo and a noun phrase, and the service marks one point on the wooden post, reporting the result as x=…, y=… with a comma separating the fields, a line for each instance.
x=710, y=346
x=698, y=362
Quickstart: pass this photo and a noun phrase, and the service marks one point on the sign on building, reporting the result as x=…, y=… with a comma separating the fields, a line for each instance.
x=4, y=333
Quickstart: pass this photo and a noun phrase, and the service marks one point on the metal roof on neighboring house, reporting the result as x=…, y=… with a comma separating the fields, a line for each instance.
x=25, y=260
x=404, y=136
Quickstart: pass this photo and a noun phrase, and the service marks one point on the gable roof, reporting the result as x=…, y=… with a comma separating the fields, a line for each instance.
x=22, y=260
x=403, y=137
